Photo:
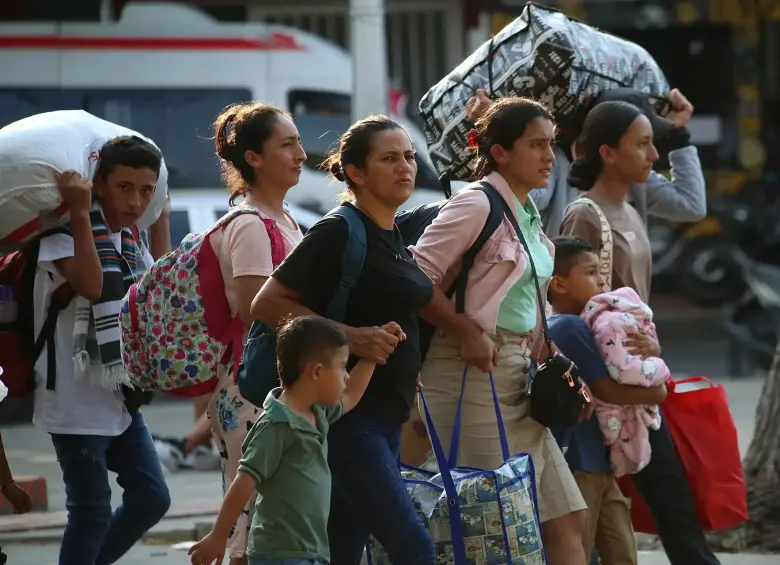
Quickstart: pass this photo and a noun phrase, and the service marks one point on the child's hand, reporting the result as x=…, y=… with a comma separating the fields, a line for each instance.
x=208, y=550
x=394, y=329
x=643, y=345
x=18, y=497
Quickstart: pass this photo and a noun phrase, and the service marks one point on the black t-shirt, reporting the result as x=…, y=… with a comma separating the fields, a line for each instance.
x=391, y=288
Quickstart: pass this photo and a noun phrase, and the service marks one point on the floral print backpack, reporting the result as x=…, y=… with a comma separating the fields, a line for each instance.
x=176, y=325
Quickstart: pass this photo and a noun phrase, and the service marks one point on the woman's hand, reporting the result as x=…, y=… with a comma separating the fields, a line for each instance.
x=479, y=352
x=18, y=497
x=376, y=343
x=477, y=105
x=682, y=109
x=642, y=345
x=209, y=550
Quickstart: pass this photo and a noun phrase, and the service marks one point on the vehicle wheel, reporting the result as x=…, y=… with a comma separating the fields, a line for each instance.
x=707, y=275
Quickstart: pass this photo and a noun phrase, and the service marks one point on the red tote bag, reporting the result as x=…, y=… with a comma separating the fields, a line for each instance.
x=700, y=423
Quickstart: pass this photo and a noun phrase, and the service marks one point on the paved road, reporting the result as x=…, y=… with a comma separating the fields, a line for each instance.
x=164, y=555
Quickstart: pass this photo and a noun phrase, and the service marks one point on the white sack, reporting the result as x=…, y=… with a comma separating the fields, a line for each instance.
x=32, y=150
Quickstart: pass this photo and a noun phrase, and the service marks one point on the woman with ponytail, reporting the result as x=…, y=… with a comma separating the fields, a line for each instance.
x=614, y=152
x=376, y=162
x=261, y=156
x=500, y=330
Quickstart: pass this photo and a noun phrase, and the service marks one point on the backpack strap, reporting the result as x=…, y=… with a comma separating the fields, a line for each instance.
x=60, y=299
x=351, y=261
x=233, y=336
x=494, y=219
x=271, y=227
x=606, y=245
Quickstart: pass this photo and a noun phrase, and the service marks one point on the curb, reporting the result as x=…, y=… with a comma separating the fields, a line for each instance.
x=159, y=535
x=181, y=521
x=36, y=488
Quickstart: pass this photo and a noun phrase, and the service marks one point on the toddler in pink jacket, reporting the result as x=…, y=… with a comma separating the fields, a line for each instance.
x=612, y=317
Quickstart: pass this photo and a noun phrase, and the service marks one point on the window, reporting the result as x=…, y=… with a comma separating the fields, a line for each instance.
x=22, y=103
x=180, y=226
x=321, y=117
x=178, y=120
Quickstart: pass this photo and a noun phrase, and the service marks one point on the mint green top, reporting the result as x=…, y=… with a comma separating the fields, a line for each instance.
x=519, y=308
x=288, y=458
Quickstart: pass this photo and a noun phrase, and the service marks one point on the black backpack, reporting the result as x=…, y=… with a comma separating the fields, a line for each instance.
x=412, y=224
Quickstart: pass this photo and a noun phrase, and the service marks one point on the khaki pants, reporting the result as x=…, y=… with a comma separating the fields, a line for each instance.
x=442, y=374
x=608, y=526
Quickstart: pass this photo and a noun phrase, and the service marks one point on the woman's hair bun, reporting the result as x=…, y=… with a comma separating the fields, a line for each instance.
x=336, y=171
x=583, y=173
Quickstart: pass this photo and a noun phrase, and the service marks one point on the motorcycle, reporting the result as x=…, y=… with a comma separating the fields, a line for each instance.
x=706, y=273
x=752, y=323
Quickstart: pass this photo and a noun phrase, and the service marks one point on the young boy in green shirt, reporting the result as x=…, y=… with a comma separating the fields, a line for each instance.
x=285, y=454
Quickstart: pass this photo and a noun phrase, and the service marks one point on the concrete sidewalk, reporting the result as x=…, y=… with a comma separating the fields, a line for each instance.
x=167, y=555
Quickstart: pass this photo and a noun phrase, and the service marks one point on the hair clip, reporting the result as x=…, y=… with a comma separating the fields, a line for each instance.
x=473, y=139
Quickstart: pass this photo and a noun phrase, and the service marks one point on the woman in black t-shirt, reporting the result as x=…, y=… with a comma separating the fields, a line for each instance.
x=376, y=161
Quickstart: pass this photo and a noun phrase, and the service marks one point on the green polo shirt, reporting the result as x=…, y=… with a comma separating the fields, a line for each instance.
x=288, y=458
x=519, y=308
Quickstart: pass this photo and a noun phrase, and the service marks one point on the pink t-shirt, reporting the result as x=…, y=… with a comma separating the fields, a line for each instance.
x=244, y=250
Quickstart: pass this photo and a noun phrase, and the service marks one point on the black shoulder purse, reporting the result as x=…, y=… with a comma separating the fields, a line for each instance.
x=557, y=394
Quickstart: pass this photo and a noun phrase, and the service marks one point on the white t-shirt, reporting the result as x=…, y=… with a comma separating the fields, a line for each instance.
x=75, y=406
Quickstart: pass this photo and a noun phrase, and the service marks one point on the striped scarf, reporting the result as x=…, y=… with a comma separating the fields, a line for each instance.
x=96, y=335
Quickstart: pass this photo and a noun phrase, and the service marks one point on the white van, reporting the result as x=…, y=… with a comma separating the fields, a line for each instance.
x=195, y=210
x=167, y=70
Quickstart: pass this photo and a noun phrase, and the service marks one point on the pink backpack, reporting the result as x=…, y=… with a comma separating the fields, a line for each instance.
x=176, y=323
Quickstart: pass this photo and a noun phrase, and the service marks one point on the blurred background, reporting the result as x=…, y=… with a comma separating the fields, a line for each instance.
x=166, y=69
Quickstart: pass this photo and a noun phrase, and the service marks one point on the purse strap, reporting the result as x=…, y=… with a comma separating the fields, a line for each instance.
x=510, y=215
x=606, y=247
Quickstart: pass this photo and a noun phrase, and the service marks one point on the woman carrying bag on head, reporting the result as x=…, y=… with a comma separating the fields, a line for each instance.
x=501, y=328
x=614, y=152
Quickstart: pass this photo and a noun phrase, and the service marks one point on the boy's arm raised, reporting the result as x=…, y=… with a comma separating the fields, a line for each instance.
x=359, y=377
x=83, y=271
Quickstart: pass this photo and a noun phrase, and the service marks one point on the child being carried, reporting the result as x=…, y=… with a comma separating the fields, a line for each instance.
x=613, y=317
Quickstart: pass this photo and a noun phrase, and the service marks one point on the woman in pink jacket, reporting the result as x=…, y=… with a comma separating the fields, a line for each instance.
x=498, y=332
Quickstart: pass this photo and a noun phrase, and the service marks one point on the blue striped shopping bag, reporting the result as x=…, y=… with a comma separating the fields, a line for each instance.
x=475, y=516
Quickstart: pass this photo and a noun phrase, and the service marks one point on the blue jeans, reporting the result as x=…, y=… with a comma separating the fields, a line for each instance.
x=369, y=497
x=94, y=535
